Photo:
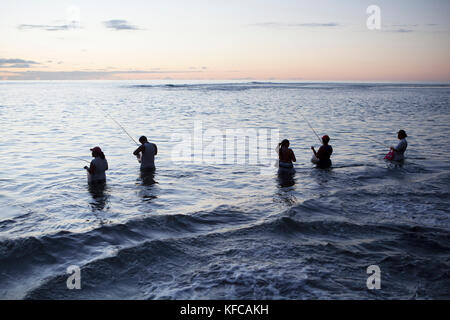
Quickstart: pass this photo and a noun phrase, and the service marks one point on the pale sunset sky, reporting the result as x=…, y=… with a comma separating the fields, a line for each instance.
x=235, y=39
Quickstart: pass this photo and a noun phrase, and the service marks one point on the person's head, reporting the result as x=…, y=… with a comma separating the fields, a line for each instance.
x=97, y=152
x=284, y=143
x=143, y=139
x=325, y=139
x=401, y=134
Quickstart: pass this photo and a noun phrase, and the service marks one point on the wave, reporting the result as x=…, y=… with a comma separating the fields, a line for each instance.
x=194, y=267
x=50, y=253
x=229, y=253
x=242, y=86
x=158, y=226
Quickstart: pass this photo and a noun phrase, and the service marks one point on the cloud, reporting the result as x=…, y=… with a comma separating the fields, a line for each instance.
x=407, y=28
x=296, y=25
x=16, y=63
x=88, y=75
x=8, y=61
x=405, y=25
x=118, y=24
x=46, y=27
x=198, y=68
x=401, y=30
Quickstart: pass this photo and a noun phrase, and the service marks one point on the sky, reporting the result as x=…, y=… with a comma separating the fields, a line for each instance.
x=320, y=40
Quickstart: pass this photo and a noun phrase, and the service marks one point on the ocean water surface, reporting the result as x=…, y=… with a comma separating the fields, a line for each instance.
x=214, y=230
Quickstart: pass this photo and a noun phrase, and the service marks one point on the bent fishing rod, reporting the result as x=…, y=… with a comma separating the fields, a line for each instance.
x=306, y=120
x=124, y=130
x=77, y=158
x=381, y=144
x=377, y=142
x=121, y=127
x=369, y=138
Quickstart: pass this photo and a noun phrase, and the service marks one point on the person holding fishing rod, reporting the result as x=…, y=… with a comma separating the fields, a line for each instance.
x=397, y=153
x=146, y=153
x=97, y=168
x=322, y=157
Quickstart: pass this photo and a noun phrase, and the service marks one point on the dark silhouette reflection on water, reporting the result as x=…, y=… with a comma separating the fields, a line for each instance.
x=286, y=177
x=149, y=189
x=99, y=195
x=395, y=164
x=147, y=177
x=286, y=186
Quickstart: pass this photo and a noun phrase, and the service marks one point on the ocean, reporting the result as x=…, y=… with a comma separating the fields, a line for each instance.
x=217, y=220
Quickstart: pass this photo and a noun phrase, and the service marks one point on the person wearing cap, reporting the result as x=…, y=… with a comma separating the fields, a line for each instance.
x=400, y=149
x=98, y=166
x=322, y=157
x=147, y=152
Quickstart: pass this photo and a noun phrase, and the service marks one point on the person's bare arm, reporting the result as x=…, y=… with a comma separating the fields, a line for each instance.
x=140, y=149
x=293, y=156
x=156, y=149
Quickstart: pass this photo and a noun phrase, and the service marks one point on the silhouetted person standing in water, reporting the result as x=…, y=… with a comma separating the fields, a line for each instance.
x=400, y=149
x=147, y=152
x=322, y=157
x=98, y=167
x=286, y=155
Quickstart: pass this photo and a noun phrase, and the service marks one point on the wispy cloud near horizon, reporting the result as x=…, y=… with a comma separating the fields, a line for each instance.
x=87, y=75
x=272, y=24
x=46, y=27
x=408, y=28
x=321, y=40
x=401, y=30
x=119, y=24
x=16, y=63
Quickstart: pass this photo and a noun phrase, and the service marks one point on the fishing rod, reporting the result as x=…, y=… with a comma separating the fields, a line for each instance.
x=380, y=143
x=320, y=140
x=77, y=158
x=373, y=140
x=122, y=128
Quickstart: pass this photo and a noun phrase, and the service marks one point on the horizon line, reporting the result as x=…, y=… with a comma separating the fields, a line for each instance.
x=445, y=82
